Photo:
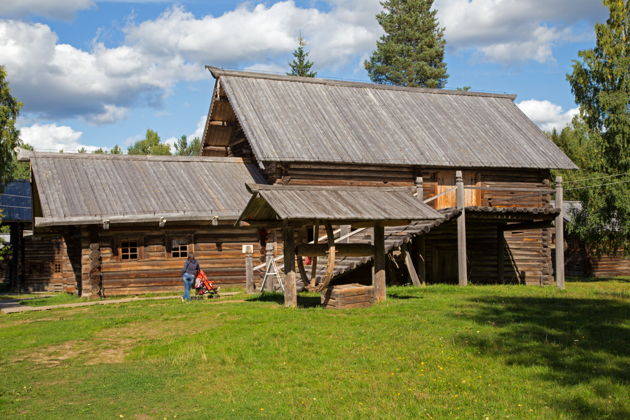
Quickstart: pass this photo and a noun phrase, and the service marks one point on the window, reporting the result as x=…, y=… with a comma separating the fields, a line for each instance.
x=179, y=248
x=57, y=268
x=129, y=250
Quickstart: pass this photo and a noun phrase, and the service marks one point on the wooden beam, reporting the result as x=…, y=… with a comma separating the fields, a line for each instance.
x=330, y=267
x=422, y=261
x=462, y=266
x=290, y=292
x=378, y=271
x=341, y=250
x=313, y=282
x=559, y=234
x=528, y=225
x=411, y=270
x=249, y=270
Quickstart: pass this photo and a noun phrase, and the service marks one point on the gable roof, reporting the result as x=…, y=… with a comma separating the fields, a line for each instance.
x=287, y=118
x=15, y=202
x=91, y=189
x=271, y=203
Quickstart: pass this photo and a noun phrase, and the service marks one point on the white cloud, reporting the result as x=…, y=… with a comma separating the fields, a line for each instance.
x=59, y=80
x=547, y=115
x=52, y=137
x=509, y=31
x=56, y=9
x=201, y=125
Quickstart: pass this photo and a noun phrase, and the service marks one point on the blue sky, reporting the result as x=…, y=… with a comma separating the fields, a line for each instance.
x=98, y=73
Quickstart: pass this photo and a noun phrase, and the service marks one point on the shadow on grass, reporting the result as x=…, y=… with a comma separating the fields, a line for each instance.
x=402, y=297
x=575, y=279
x=579, y=341
x=303, y=301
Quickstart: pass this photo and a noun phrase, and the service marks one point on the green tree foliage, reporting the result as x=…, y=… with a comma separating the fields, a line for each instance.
x=183, y=148
x=601, y=85
x=411, y=52
x=116, y=150
x=9, y=135
x=150, y=145
x=301, y=66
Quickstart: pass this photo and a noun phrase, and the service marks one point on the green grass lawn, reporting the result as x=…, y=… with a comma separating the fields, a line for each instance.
x=441, y=352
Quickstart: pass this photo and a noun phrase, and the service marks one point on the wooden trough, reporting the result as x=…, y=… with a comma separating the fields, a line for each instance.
x=348, y=296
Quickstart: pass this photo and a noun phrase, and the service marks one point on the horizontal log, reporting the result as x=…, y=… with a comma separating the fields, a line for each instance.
x=342, y=250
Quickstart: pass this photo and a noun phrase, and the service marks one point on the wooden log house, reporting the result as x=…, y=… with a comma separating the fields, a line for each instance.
x=133, y=218
x=128, y=222
x=314, y=132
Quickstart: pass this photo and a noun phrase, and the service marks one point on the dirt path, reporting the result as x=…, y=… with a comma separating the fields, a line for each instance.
x=11, y=306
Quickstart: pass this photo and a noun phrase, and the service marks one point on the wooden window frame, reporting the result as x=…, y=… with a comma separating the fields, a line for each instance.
x=139, y=246
x=185, y=236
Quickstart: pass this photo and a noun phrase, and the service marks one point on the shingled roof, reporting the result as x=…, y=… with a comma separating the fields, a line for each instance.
x=272, y=203
x=294, y=119
x=89, y=189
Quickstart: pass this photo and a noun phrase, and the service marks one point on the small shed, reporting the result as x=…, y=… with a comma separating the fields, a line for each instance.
x=293, y=207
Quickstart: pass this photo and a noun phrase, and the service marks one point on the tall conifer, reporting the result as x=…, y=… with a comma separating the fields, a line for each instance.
x=411, y=52
x=301, y=66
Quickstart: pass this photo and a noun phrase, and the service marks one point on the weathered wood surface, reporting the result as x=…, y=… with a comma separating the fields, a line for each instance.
x=378, y=276
x=87, y=188
x=348, y=296
x=559, y=229
x=334, y=204
x=290, y=291
x=353, y=123
x=341, y=250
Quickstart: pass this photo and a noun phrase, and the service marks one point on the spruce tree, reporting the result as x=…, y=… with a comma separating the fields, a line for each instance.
x=601, y=85
x=411, y=52
x=301, y=66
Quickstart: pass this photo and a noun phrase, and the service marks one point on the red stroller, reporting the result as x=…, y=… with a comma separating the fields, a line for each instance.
x=204, y=286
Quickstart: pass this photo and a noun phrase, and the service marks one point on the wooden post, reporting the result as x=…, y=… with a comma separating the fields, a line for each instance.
x=422, y=264
x=461, y=231
x=250, y=287
x=419, y=188
x=270, y=284
x=313, y=282
x=500, y=254
x=290, y=292
x=559, y=235
x=378, y=271
x=343, y=231
x=15, y=251
x=411, y=270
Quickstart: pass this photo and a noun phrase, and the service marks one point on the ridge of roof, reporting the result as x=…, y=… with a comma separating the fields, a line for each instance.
x=219, y=72
x=26, y=155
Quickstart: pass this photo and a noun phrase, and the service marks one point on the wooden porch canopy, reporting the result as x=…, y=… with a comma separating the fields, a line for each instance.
x=292, y=207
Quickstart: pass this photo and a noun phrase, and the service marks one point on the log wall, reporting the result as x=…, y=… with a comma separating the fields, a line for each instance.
x=218, y=250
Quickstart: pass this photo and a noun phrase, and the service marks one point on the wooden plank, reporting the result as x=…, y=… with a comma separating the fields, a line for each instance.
x=341, y=250
x=411, y=269
x=313, y=282
x=559, y=235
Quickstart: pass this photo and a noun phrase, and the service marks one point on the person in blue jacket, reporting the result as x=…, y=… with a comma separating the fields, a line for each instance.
x=189, y=272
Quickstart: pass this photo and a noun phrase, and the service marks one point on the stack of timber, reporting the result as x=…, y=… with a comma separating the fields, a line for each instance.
x=346, y=296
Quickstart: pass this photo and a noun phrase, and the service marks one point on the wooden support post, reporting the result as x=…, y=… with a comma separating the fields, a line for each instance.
x=343, y=231
x=559, y=235
x=500, y=254
x=313, y=282
x=250, y=287
x=332, y=253
x=462, y=266
x=378, y=271
x=411, y=270
x=419, y=189
x=422, y=262
x=290, y=290
x=15, y=257
x=270, y=283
